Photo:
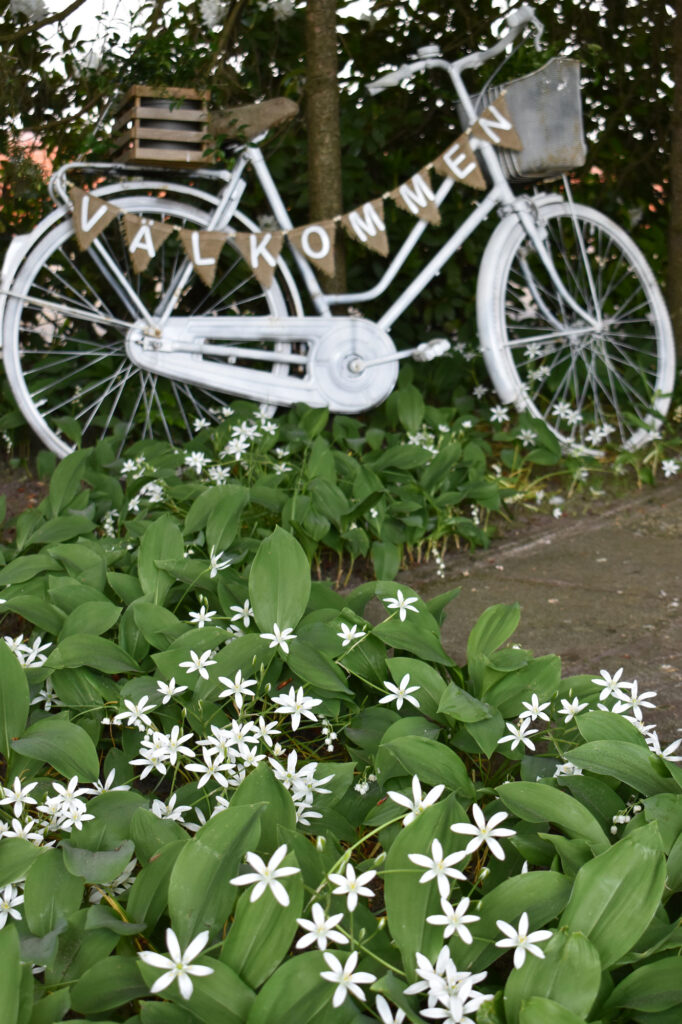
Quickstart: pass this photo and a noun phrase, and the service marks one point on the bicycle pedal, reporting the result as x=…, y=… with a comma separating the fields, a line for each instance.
x=429, y=350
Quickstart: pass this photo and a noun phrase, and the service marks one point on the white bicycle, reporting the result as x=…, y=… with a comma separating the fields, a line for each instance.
x=571, y=322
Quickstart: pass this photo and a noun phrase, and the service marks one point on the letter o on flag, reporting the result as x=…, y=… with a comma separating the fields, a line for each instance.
x=323, y=242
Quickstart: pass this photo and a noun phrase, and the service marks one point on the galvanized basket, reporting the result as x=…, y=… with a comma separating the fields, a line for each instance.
x=546, y=109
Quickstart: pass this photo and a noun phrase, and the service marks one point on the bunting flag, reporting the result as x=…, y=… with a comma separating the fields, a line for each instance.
x=315, y=242
x=90, y=216
x=366, y=224
x=416, y=197
x=144, y=238
x=260, y=252
x=203, y=248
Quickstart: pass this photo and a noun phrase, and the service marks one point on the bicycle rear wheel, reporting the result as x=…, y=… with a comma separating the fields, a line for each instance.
x=606, y=376
x=66, y=324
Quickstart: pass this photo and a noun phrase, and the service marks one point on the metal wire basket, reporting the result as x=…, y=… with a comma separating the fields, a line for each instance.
x=546, y=109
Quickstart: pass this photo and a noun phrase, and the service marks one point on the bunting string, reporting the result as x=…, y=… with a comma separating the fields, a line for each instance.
x=315, y=242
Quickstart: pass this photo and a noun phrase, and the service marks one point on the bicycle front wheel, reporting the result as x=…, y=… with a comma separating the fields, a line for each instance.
x=68, y=317
x=596, y=363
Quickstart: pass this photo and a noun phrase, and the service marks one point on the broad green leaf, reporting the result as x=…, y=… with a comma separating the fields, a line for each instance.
x=65, y=482
x=616, y=895
x=493, y=628
x=627, y=762
x=65, y=746
x=604, y=725
x=157, y=624
x=10, y=974
x=78, y=949
x=296, y=992
x=37, y=610
x=431, y=684
x=261, y=787
x=14, y=699
x=411, y=636
x=94, y=651
x=402, y=456
x=92, y=618
x=85, y=561
x=432, y=762
x=148, y=895
x=568, y=957
x=99, y=866
x=314, y=667
x=102, y=916
x=279, y=582
x=224, y=520
x=164, y=1013
x=459, y=706
x=262, y=932
x=540, y=675
x=652, y=987
x=62, y=528
x=51, y=1008
x=16, y=857
x=538, y=1010
x=535, y=801
x=161, y=540
x=112, y=982
x=218, y=997
x=408, y=901
x=149, y=833
x=385, y=559
x=51, y=893
x=666, y=810
x=26, y=567
x=199, y=893
x=542, y=894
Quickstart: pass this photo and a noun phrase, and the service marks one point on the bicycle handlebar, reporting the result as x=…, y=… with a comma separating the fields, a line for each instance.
x=516, y=21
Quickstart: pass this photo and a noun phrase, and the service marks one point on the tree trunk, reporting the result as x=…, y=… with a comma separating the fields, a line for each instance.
x=674, y=282
x=323, y=125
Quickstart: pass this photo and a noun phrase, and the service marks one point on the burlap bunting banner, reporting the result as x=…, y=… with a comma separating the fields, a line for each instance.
x=365, y=224
x=260, y=252
x=90, y=216
x=416, y=197
x=144, y=238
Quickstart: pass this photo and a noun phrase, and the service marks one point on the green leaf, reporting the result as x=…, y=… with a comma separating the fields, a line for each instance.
x=65, y=482
x=430, y=682
x=157, y=624
x=385, y=559
x=260, y=787
x=199, y=893
x=10, y=974
x=538, y=1010
x=653, y=987
x=51, y=893
x=91, y=618
x=492, y=629
x=16, y=857
x=225, y=518
x=112, y=982
x=279, y=582
x=36, y=610
x=413, y=637
x=408, y=901
x=432, y=762
x=604, y=725
x=62, y=528
x=221, y=996
x=99, y=866
x=314, y=667
x=94, y=651
x=26, y=567
x=148, y=896
x=536, y=802
x=262, y=932
x=627, y=762
x=65, y=746
x=295, y=992
x=51, y=1008
x=568, y=957
x=616, y=895
x=14, y=699
x=460, y=706
x=161, y=540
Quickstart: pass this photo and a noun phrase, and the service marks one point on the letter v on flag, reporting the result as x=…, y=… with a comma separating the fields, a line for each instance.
x=90, y=216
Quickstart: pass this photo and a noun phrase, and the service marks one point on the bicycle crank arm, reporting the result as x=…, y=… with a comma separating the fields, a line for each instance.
x=423, y=353
x=273, y=360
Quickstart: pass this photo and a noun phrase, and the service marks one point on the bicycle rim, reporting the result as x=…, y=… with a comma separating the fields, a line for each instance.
x=606, y=375
x=64, y=342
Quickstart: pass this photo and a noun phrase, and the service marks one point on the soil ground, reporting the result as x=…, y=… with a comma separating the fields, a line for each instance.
x=602, y=590
x=601, y=587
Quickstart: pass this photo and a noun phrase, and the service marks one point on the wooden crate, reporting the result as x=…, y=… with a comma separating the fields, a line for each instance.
x=156, y=127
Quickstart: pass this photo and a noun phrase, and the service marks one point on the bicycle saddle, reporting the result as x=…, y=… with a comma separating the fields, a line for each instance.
x=253, y=119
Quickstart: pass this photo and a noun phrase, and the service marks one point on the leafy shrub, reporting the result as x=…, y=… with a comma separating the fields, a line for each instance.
x=232, y=793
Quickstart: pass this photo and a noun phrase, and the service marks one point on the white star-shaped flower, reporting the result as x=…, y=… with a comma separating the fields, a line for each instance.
x=439, y=867
x=519, y=734
x=279, y=637
x=633, y=701
x=321, y=929
x=400, y=693
x=455, y=919
x=484, y=831
x=345, y=977
x=169, y=690
x=198, y=663
x=418, y=802
x=350, y=633
x=402, y=604
x=570, y=708
x=609, y=683
x=238, y=688
x=266, y=876
x=521, y=940
x=178, y=965
x=296, y=703
x=215, y=563
x=534, y=709
x=352, y=886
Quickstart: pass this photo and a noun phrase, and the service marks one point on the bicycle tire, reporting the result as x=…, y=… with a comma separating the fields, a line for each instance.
x=71, y=377
x=589, y=384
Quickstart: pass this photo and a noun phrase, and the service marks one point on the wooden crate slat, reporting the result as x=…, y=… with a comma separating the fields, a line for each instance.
x=151, y=135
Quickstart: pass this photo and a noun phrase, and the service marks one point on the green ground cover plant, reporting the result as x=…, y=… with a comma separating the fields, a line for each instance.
x=232, y=792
